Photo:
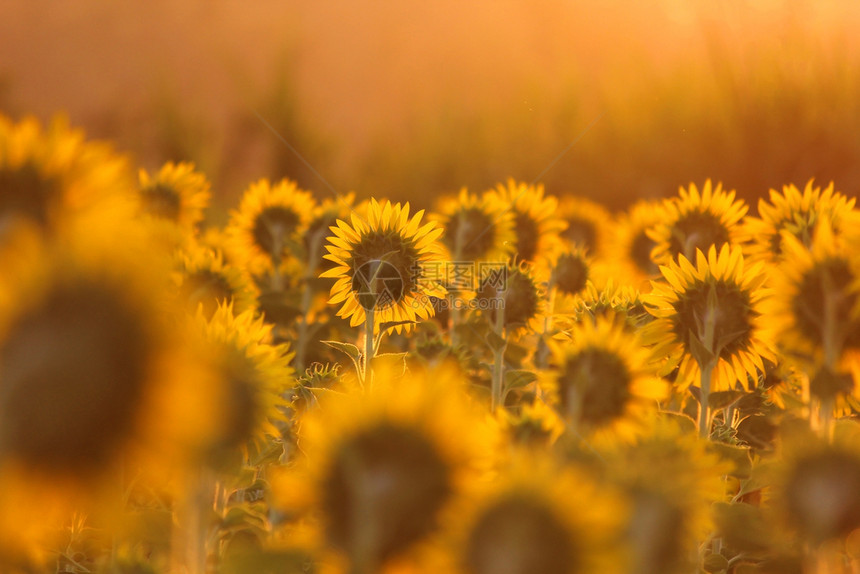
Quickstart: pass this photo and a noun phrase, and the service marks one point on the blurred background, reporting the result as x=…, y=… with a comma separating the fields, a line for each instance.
x=612, y=100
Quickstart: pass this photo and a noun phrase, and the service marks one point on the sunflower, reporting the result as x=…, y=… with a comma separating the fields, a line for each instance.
x=389, y=263
x=696, y=221
x=513, y=296
x=205, y=280
x=602, y=379
x=588, y=224
x=671, y=479
x=710, y=313
x=535, y=517
x=476, y=229
x=629, y=246
x=536, y=221
x=177, y=193
x=254, y=376
x=90, y=373
x=817, y=485
x=269, y=224
x=612, y=301
x=58, y=181
x=324, y=216
x=797, y=213
x=382, y=465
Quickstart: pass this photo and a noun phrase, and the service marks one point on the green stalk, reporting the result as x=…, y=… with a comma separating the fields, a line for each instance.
x=368, y=346
x=707, y=363
x=498, y=361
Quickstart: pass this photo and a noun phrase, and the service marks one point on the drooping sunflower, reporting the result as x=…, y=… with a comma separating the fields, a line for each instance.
x=205, y=280
x=671, y=479
x=389, y=263
x=56, y=180
x=797, y=213
x=476, y=229
x=603, y=378
x=588, y=223
x=536, y=517
x=537, y=224
x=269, y=224
x=629, y=246
x=696, y=221
x=514, y=292
x=814, y=310
x=177, y=193
x=710, y=312
x=382, y=465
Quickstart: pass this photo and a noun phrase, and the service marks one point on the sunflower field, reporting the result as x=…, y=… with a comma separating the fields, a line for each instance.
x=511, y=382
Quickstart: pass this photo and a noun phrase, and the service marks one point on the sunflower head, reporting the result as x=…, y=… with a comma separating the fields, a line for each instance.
x=796, y=213
x=536, y=223
x=56, y=180
x=587, y=223
x=269, y=224
x=476, y=229
x=629, y=245
x=602, y=378
x=571, y=270
x=205, y=280
x=389, y=263
x=697, y=221
x=613, y=301
x=514, y=292
x=177, y=193
x=383, y=464
x=536, y=517
x=708, y=315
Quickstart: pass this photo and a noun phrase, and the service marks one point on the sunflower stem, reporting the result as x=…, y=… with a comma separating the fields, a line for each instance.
x=707, y=365
x=497, y=390
x=368, y=346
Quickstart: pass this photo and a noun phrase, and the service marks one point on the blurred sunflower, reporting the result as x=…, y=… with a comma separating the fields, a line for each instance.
x=389, y=263
x=269, y=225
x=205, y=280
x=324, y=216
x=814, y=311
x=536, y=517
x=382, y=465
x=536, y=221
x=177, y=193
x=89, y=371
x=588, y=224
x=58, y=181
x=602, y=378
x=629, y=246
x=710, y=313
x=696, y=221
x=514, y=293
x=476, y=229
x=797, y=213
x=671, y=480
x=570, y=270
x=613, y=301
x=817, y=484
x=254, y=377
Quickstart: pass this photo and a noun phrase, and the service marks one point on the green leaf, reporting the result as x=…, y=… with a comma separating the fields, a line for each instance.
x=742, y=527
x=715, y=563
x=351, y=350
x=392, y=324
x=721, y=399
x=738, y=455
x=395, y=361
x=495, y=341
x=517, y=378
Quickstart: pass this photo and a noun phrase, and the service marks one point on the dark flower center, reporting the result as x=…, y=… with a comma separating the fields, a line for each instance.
x=273, y=228
x=519, y=535
x=162, y=201
x=594, y=387
x=73, y=372
x=517, y=292
x=25, y=191
x=528, y=234
x=386, y=269
x=205, y=287
x=696, y=230
x=829, y=279
x=581, y=232
x=571, y=274
x=640, y=253
x=382, y=492
x=470, y=233
x=823, y=494
x=731, y=317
